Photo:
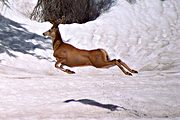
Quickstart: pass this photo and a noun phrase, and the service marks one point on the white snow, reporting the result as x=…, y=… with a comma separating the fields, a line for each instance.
x=145, y=35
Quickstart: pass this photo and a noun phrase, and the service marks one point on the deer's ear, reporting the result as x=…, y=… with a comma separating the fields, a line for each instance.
x=61, y=20
x=52, y=21
x=57, y=22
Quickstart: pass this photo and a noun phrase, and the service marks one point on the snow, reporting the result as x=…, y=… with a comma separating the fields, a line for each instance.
x=145, y=35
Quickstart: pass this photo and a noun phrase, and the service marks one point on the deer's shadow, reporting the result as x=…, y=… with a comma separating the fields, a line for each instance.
x=110, y=107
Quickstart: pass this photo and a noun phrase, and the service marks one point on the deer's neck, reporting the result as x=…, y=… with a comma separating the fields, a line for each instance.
x=57, y=41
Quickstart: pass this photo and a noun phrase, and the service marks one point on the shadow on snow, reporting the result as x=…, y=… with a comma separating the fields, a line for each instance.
x=15, y=38
x=110, y=107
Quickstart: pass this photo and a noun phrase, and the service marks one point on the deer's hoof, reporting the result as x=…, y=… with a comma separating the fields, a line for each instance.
x=127, y=73
x=134, y=71
x=70, y=72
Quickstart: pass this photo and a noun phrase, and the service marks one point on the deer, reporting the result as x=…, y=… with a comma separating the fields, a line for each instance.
x=68, y=55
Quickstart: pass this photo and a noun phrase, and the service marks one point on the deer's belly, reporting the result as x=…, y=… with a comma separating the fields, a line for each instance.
x=75, y=61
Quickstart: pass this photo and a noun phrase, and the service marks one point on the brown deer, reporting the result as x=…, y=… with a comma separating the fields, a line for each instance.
x=71, y=56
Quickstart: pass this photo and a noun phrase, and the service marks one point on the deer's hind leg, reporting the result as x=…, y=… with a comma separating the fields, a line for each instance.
x=102, y=61
x=127, y=67
x=110, y=63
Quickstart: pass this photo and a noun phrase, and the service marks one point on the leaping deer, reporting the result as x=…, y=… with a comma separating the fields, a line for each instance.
x=71, y=56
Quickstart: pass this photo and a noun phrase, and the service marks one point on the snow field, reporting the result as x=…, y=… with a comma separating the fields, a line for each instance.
x=145, y=35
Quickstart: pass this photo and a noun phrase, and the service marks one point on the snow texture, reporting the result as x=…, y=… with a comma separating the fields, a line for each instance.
x=145, y=35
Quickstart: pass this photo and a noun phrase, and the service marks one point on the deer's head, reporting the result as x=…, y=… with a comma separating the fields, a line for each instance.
x=54, y=29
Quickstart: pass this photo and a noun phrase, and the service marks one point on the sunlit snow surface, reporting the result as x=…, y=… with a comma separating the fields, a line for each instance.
x=145, y=35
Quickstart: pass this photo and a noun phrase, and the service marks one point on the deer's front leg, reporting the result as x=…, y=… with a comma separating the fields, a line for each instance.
x=66, y=70
x=62, y=69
